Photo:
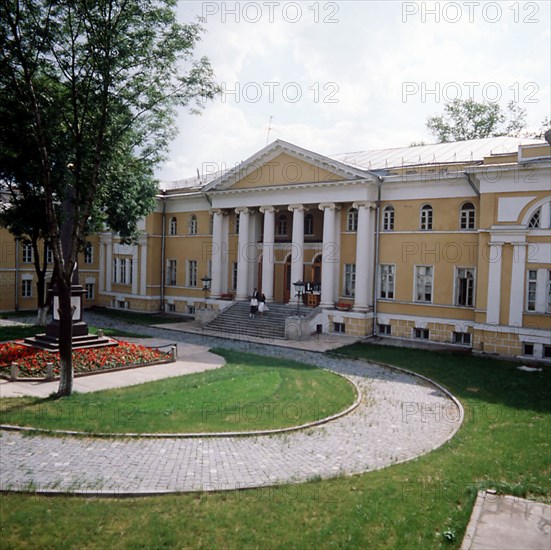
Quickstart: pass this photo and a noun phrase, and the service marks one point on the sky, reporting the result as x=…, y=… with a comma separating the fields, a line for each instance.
x=337, y=77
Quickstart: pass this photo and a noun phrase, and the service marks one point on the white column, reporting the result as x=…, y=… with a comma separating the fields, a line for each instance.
x=217, y=253
x=109, y=265
x=516, y=300
x=134, y=269
x=243, y=291
x=363, y=253
x=328, y=256
x=268, y=254
x=143, y=265
x=545, y=216
x=102, y=266
x=494, y=282
x=297, y=255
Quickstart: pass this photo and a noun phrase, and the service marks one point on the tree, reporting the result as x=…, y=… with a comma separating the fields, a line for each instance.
x=96, y=83
x=468, y=119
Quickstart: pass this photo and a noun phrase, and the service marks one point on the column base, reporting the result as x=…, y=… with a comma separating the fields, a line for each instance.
x=361, y=309
x=327, y=305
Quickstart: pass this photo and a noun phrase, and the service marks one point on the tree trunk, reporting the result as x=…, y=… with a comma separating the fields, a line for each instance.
x=65, y=338
x=42, y=316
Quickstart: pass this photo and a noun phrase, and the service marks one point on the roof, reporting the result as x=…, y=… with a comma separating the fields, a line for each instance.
x=437, y=153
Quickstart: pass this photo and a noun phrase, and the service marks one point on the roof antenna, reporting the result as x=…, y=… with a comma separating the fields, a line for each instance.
x=199, y=176
x=269, y=129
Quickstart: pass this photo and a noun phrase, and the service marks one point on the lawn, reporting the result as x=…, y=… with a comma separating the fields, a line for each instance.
x=249, y=393
x=141, y=318
x=425, y=503
x=19, y=333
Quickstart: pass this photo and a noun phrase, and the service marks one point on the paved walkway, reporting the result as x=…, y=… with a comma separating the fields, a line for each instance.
x=401, y=416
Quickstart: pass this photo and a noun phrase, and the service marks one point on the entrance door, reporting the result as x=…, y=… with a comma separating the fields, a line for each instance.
x=287, y=280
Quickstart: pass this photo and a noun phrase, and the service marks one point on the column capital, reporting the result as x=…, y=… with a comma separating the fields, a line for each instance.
x=523, y=243
x=328, y=206
x=265, y=209
x=496, y=243
x=364, y=204
x=243, y=210
x=219, y=211
x=293, y=207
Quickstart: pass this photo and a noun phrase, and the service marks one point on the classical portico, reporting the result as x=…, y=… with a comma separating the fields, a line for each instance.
x=289, y=209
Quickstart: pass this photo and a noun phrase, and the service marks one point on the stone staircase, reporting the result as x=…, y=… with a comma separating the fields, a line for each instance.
x=235, y=321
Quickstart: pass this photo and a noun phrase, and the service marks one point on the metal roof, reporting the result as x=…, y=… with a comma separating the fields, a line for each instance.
x=458, y=151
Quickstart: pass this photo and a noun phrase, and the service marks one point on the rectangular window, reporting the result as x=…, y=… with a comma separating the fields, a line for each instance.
x=192, y=273
x=423, y=283
x=387, y=282
x=422, y=333
x=115, y=270
x=528, y=349
x=385, y=329
x=349, y=279
x=190, y=310
x=531, y=290
x=27, y=253
x=464, y=287
x=547, y=352
x=27, y=288
x=234, y=276
x=171, y=308
x=549, y=291
x=121, y=304
x=461, y=338
x=88, y=253
x=339, y=327
x=171, y=272
x=89, y=291
x=49, y=255
x=122, y=272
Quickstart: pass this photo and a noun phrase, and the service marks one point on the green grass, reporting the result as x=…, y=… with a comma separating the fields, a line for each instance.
x=18, y=333
x=141, y=318
x=503, y=443
x=249, y=393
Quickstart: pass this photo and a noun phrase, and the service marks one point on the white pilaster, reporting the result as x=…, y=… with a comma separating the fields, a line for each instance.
x=134, y=269
x=541, y=290
x=109, y=265
x=268, y=256
x=363, y=253
x=328, y=256
x=217, y=253
x=243, y=291
x=494, y=282
x=102, y=266
x=143, y=265
x=516, y=301
x=297, y=255
x=545, y=216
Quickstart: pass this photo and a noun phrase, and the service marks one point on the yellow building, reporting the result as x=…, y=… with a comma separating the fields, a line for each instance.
x=443, y=243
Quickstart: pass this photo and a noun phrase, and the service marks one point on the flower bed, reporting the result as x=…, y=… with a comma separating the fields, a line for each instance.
x=32, y=362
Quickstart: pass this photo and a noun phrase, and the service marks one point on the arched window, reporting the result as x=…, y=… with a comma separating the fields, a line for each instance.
x=535, y=220
x=468, y=216
x=426, y=217
x=173, y=229
x=352, y=220
x=309, y=224
x=193, y=225
x=236, y=223
x=282, y=225
x=388, y=218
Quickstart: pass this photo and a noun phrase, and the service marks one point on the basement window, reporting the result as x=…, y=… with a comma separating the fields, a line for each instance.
x=171, y=308
x=528, y=349
x=385, y=329
x=339, y=327
x=461, y=338
x=422, y=333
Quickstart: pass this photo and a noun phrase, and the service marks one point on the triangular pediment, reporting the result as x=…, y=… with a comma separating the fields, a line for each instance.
x=284, y=164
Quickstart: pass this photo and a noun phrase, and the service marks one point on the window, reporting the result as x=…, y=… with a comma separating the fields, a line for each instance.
x=27, y=253
x=535, y=220
x=211, y=224
x=88, y=253
x=349, y=279
x=234, y=276
x=49, y=255
x=193, y=225
x=385, y=329
x=192, y=273
x=339, y=327
x=461, y=338
x=549, y=291
x=387, y=282
x=423, y=283
x=421, y=333
x=531, y=292
x=464, y=287
x=426, y=217
x=27, y=288
x=236, y=223
x=528, y=349
x=171, y=272
x=547, y=352
x=89, y=291
x=121, y=304
x=122, y=271
x=468, y=215
x=282, y=225
x=388, y=218
x=173, y=226
x=190, y=310
x=352, y=220
x=171, y=308
x=309, y=224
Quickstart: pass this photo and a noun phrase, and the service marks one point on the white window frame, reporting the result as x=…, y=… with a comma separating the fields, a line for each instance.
x=171, y=272
x=282, y=226
x=352, y=220
x=26, y=288
x=467, y=217
x=388, y=218
x=49, y=254
x=173, y=226
x=535, y=220
x=191, y=273
x=426, y=218
x=416, y=275
x=88, y=253
x=387, y=277
x=193, y=224
x=472, y=271
x=309, y=224
x=531, y=289
x=349, y=280
x=234, y=276
x=89, y=291
x=27, y=253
